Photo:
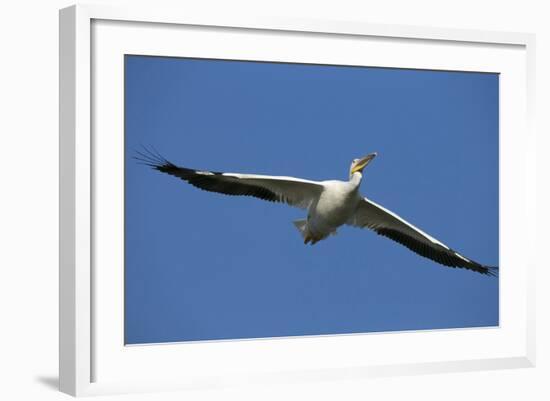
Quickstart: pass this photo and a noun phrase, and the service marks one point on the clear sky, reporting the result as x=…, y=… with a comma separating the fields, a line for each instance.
x=204, y=266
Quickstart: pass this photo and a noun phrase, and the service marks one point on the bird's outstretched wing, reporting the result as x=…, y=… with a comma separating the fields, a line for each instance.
x=293, y=191
x=384, y=222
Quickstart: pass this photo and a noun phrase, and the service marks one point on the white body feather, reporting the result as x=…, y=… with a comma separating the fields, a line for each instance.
x=336, y=204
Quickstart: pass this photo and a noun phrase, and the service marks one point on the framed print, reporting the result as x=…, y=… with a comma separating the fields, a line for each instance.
x=272, y=200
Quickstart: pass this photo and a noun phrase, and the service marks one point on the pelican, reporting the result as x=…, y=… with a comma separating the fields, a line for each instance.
x=329, y=204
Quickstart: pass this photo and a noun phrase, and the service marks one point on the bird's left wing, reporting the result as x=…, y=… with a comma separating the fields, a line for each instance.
x=293, y=191
x=384, y=222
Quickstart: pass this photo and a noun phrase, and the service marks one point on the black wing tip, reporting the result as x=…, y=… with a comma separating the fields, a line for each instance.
x=490, y=271
x=149, y=156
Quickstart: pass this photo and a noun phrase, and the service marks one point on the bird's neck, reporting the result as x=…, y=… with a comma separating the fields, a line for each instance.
x=356, y=178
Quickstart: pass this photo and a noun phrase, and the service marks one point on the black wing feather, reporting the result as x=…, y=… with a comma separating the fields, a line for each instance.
x=437, y=253
x=385, y=223
x=208, y=180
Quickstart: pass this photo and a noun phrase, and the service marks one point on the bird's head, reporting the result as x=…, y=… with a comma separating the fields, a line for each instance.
x=357, y=165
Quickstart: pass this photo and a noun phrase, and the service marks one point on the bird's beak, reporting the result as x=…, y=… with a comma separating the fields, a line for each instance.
x=362, y=163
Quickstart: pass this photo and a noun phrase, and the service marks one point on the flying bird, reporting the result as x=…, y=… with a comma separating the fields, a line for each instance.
x=329, y=204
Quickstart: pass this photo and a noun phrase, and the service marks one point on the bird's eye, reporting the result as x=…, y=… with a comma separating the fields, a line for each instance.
x=355, y=160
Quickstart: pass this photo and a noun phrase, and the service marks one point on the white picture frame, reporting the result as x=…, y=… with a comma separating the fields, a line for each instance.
x=84, y=348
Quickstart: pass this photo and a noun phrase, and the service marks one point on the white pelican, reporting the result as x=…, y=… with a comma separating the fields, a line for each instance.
x=330, y=204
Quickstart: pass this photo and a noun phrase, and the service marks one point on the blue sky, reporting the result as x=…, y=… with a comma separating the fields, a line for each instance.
x=205, y=266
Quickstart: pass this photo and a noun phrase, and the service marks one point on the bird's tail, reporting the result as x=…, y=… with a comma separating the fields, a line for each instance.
x=301, y=225
x=307, y=235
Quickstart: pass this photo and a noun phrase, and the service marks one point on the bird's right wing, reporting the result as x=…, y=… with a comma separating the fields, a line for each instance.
x=293, y=191
x=384, y=222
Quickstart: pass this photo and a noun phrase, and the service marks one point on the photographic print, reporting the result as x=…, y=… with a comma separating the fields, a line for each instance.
x=271, y=199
